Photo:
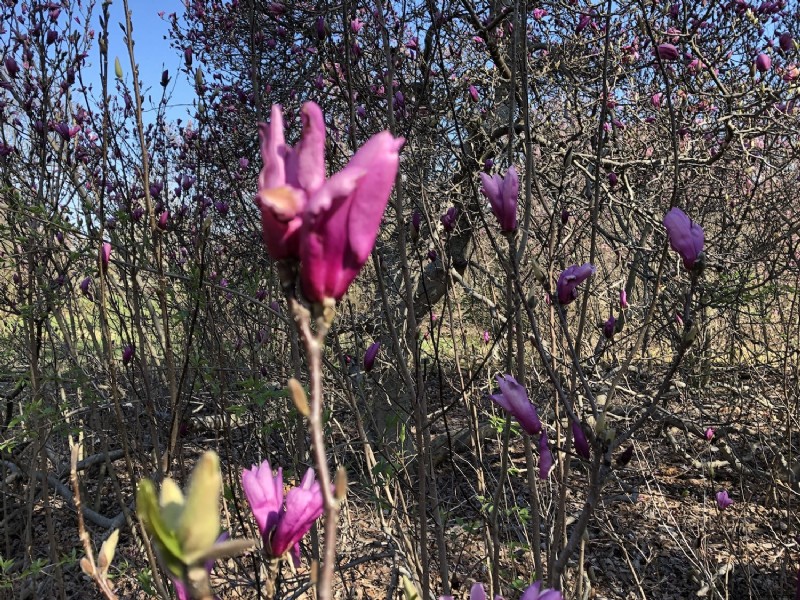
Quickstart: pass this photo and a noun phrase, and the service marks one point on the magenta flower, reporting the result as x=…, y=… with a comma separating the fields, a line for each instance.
x=723, y=500
x=502, y=193
x=570, y=279
x=513, y=398
x=623, y=299
x=655, y=100
x=786, y=42
x=486, y=337
x=128, y=351
x=667, y=52
x=763, y=63
x=12, y=68
x=579, y=437
x=84, y=285
x=369, y=356
x=449, y=218
x=281, y=526
x=545, y=456
x=535, y=592
x=709, y=433
x=473, y=93
x=477, y=592
x=288, y=178
x=685, y=236
x=105, y=256
x=609, y=327
x=342, y=218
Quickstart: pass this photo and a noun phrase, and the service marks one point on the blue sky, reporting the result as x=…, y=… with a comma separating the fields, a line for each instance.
x=151, y=50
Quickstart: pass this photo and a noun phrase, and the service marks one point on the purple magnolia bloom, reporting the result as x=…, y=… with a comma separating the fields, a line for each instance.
x=583, y=23
x=723, y=500
x=477, y=592
x=570, y=279
x=609, y=327
x=535, y=592
x=275, y=306
x=105, y=256
x=786, y=42
x=623, y=299
x=502, y=193
x=473, y=93
x=187, y=56
x=655, y=100
x=321, y=28
x=486, y=337
x=685, y=236
x=709, y=433
x=449, y=218
x=613, y=179
x=579, y=437
x=163, y=220
x=667, y=52
x=128, y=351
x=513, y=398
x=12, y=68
x=545, y=456
x=564, y=216
x=356, y=25
x=763, y=63
x=416, y=221
x=84, y=285
x=282, y=525
x=369, y=356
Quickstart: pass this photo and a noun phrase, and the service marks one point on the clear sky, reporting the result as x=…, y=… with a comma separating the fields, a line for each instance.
x=151, y=50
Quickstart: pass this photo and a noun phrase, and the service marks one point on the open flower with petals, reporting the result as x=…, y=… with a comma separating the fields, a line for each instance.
x=723, y=500
x=282, y=524
x=535, y=592
x=513, y=397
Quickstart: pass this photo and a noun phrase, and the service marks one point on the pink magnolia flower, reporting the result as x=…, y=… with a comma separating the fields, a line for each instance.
x=535, y=592
x=513, y=398
x=623, y=299
x=609, y=327
x=723, y=500
x=370, y=355
x=579, y=438
x=685, y=236
x=288, y=178
x=709, y=433
x=105, y=256
x=667, y=52
x=763, y=63
x=570, y=279
x=128, y=351
x=473, y=93
x=282, y=525
x=502, y=193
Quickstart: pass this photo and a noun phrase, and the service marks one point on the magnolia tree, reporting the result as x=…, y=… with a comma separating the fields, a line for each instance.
x=503, y=259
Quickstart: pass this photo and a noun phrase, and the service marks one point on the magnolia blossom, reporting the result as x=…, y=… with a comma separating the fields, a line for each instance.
x=545, y=456
x=370, y=354
x=623, y=299
x=609, y=327
x=282, y=524
x=533, y=592
x=723, y=500
x=667, y=52
x=513, y=397
x=502, y=193
x=763, y=63
x=570, y=279
x=579, y=437
x=685, y=236
x=449, y=218
x=105, y=256
x=329, y=224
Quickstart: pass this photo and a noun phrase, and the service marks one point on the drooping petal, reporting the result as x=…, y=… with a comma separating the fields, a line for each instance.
x=304, y=505
x=264, y=493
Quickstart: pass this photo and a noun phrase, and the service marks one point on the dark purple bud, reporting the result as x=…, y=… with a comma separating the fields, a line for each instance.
x=564, y=216
x=370, y=354
x=473, y=93
x=155, y=189
x=583, y=23
x=321, y=28
x=52, y=36
x=128, y=352
x=613, y=179
x=105, y=256
x=222, y=207
x=624, y=458
x=609, y=327
x=84, y=285
x=432, y=256
x=163, y=220
x=449, y=218
x=667, y=52
x=261, y=295
x=488, y=164
x=12, y=68
x=275, y=306
x=545, y=456
x=187, y=56
x=164, y=77
x=416, y=220
x=60, y=237
x=136, y=214
x=579, y=438
x=786, y=42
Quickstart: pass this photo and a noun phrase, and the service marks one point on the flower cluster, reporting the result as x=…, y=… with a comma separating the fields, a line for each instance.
x=328, y=224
